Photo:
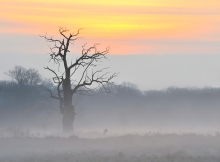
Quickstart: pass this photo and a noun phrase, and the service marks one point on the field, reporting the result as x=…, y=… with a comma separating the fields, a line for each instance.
x=128, y=148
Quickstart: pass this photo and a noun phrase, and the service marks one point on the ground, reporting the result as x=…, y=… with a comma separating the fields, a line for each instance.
x=127, y=148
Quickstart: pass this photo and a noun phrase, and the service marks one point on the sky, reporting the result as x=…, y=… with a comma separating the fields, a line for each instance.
x=176, y=28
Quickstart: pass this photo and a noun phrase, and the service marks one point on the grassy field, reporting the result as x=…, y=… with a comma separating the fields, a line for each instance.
x=127, y=148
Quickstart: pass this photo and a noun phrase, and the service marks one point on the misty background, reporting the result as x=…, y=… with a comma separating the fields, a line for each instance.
x=166, y=93
x=126, y=109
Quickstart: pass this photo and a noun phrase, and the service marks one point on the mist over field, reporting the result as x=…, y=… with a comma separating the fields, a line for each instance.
x=175, y=124
x=129, y=124
x=125, y=110
x=126, y=125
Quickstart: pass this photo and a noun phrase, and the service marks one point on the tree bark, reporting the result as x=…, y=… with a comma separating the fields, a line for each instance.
x=69, y=111
x=68, y=118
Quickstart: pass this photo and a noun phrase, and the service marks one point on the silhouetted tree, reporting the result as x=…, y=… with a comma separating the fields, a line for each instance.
x=24, y=85
x=67, y=82
x=25, y=77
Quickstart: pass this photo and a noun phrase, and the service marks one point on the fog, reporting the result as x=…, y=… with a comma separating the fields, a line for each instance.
x=172, y=124
x=125, y=110
x=129, y=148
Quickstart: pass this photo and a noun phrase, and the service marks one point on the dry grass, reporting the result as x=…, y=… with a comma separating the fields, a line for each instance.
x=128, y=148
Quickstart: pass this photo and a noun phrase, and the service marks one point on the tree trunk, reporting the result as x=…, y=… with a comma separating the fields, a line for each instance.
x=69, y=111
x=68, y=118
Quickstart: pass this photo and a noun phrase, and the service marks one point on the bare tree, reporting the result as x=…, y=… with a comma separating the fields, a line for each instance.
x=25, y=77
x=67, y=82
x=25, y=85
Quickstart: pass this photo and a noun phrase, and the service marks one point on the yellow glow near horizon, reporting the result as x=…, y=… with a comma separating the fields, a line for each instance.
x=114, y=19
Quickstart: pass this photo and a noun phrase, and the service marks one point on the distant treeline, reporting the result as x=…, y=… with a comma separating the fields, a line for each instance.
x=126, y=105
x=171, y=108
x=26, y=102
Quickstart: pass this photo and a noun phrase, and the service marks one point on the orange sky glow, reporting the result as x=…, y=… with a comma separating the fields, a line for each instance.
x=127, y=26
